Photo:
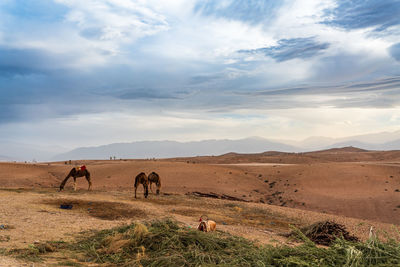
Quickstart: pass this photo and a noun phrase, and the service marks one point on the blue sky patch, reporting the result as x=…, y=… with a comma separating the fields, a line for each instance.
x=358, y=14
x=36, y=10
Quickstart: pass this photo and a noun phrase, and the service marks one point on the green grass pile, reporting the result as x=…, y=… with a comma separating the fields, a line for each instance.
x=166, y=243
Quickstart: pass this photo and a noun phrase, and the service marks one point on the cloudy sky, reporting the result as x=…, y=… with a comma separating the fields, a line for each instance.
x=82, y=73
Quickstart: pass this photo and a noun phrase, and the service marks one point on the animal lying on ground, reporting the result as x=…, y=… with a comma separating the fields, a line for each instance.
x=141, y=178
x=77, y=172
x=206, y=225
x=154, y=178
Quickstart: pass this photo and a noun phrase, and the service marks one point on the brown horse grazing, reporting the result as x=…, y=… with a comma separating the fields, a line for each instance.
x=141, y=178
x=155, y=178
x=77, y=172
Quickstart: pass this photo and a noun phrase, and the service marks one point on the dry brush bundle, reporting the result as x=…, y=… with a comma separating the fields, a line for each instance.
x=325, y=233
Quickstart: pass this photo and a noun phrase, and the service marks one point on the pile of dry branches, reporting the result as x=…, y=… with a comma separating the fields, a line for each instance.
x=324, y=233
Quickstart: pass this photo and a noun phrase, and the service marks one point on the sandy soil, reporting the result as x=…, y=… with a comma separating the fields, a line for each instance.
x=358, y=194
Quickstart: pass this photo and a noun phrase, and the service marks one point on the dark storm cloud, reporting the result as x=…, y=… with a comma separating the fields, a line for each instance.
x=358, y=14
x=288, y=49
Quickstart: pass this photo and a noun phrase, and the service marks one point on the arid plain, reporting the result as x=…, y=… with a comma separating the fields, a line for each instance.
x=353, y=187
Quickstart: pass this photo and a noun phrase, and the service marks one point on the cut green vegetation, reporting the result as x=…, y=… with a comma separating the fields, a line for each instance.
x=167, y=243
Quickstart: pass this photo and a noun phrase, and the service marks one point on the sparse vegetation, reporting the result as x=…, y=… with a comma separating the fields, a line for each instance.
x=69, y=263
x=34, y=252
x=100, y=209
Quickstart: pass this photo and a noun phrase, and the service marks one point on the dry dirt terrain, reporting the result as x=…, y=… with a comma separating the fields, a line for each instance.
x=353, y=187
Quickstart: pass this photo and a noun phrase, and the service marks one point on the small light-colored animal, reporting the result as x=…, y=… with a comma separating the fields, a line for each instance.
x=77, y=172
x=154, y=178
x=141, y=178
x=206, y=225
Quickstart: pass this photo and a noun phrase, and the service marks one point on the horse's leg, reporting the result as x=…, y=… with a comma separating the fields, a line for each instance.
x=151, y=189
x=74, y=183
x=89, y=181
x=135, y=190
x=158, y=188
x=64, y=182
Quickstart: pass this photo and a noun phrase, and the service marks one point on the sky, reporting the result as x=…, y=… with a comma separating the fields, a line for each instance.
x=83, y=73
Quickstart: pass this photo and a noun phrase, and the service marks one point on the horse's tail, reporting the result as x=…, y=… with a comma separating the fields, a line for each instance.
x=87, y=174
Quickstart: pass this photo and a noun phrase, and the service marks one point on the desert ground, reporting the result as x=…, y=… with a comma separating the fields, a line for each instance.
x=272, y=190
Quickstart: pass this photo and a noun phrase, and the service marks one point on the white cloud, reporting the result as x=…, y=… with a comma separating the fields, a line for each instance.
x=115, y=20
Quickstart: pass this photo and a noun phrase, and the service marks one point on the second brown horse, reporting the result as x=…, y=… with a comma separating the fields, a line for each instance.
x=141, y=178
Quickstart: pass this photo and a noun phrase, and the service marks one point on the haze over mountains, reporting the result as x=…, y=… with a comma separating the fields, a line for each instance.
x=167, y=149
x=374, y=141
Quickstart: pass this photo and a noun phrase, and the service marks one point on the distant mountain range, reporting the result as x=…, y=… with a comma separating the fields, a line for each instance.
x=168, y=149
